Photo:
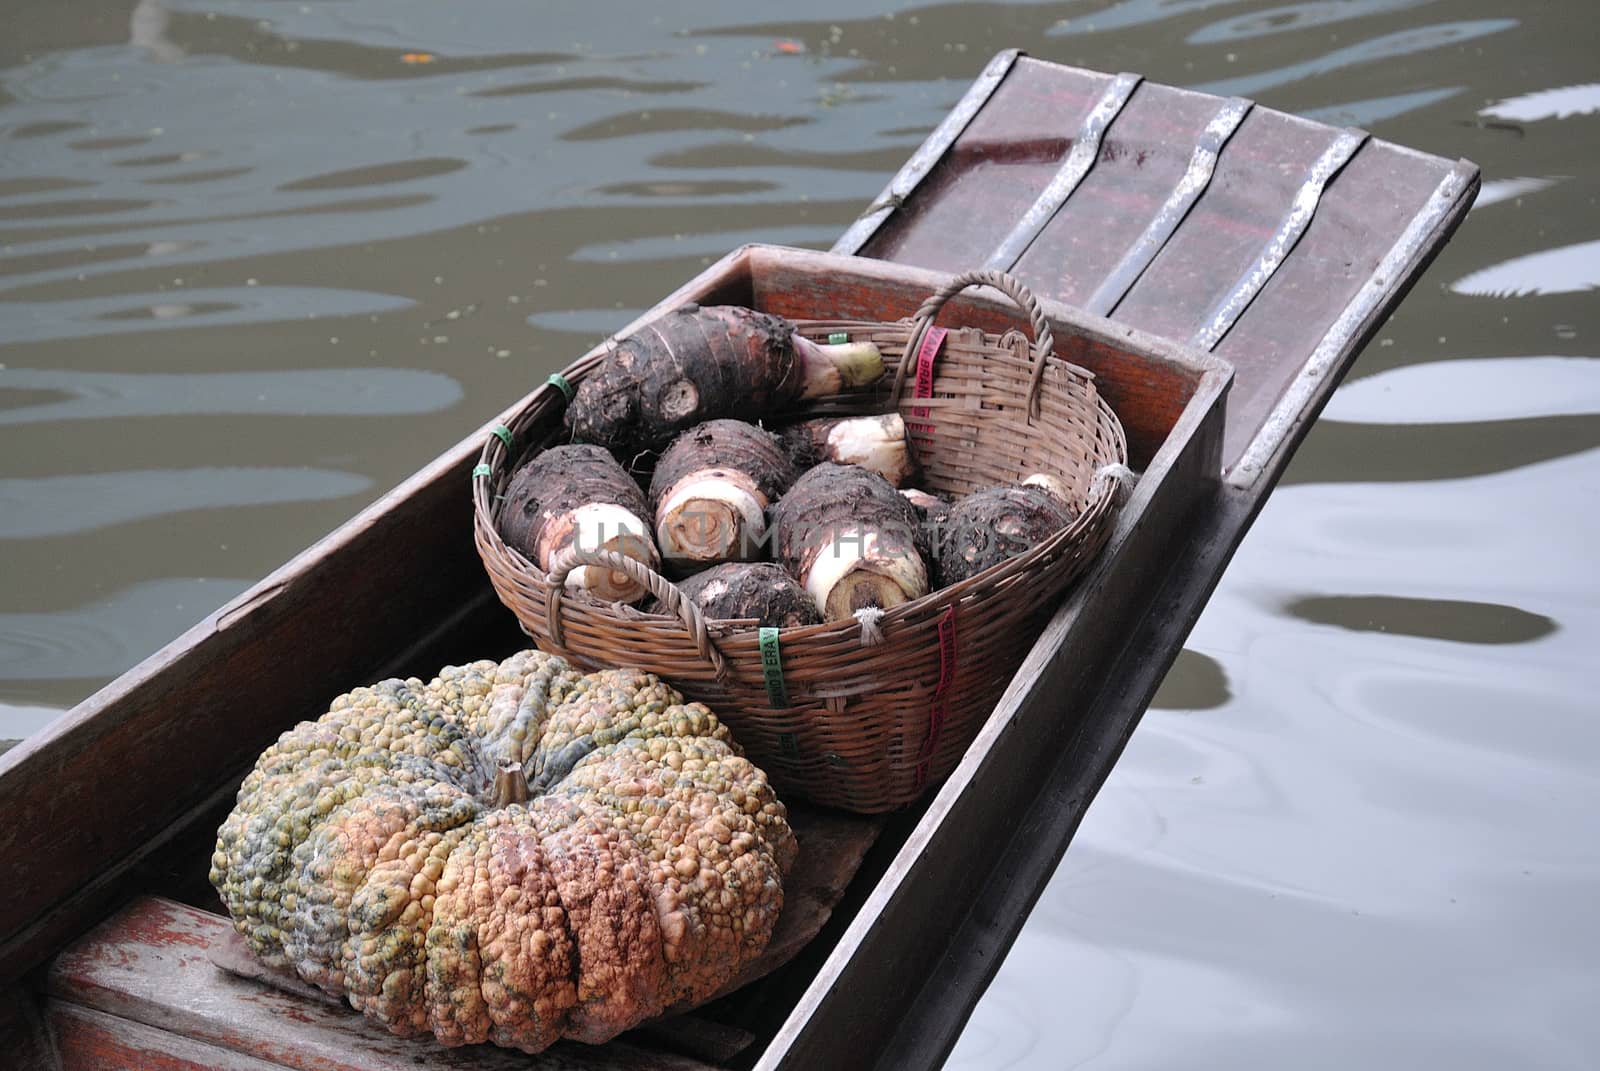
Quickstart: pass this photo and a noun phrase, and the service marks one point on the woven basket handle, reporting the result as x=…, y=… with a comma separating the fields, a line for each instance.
x=1044, y=340
x=562, y=565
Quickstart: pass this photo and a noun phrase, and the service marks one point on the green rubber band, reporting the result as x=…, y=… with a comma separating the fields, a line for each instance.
x=559, y=382
x=482, y=470
x=772, y=668
x=502, y=433
x=838, y=337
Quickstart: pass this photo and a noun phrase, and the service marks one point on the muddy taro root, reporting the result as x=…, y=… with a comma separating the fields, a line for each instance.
x=850, y=539
x=696, y=364
x=931, y=513
x=711, y=491
x=991, y=525
x=758, y=591
x=876, y=443
x=579, y=495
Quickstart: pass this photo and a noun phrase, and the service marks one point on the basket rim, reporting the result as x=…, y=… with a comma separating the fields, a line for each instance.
x=497, y=456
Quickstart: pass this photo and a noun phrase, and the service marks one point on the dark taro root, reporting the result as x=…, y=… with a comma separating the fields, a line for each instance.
x=696, y=364
x=758, y=591
x=931, y=513
x=711, y=491
x=991, y=525
x=876, y=443
x=579, y=495
x=851, y=539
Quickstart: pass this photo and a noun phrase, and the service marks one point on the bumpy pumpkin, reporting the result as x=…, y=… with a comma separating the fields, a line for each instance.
x=512, y=852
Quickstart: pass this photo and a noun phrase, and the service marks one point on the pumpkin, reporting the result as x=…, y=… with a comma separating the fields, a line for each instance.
x=513, y=852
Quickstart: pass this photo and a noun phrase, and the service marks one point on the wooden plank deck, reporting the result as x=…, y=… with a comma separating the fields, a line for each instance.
x=144, y=983
x=1359, y=232
x=173, y=984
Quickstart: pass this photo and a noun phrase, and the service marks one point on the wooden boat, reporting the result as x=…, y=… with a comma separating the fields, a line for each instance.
x=1172, y=224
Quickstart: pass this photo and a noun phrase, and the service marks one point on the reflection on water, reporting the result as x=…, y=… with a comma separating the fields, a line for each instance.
x=1570, y=269
x=95, y=640
x=1549, y=104
x=58, y=505
x=320, y=391
x=1471, y=391
x=1288, y=18
x=1456, y=620
x=1195, y=682
x=260, y=261
x=68, y=318
x=1387, y=47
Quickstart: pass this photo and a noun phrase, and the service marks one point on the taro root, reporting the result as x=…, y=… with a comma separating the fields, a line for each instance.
x=1052, y=483
x=876, y=443
x=696, y=364
x=931, y=513
x=711, y=491
x=991, y=525
x=746, y=591
x=850, y=539
x=579, y=495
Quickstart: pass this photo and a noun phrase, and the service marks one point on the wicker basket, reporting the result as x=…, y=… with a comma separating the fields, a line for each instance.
x=871, y=719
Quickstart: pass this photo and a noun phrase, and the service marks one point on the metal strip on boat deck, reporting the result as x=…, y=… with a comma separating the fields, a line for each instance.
x=928, y=154
x=1202, y=165
x=1085, y=150
x=1226, y=311
x=1339, y=343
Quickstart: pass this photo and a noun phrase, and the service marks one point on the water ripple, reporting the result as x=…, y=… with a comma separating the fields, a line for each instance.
x=1292, y=17
x=35, y=321
x=1471, y=391
x=701, y=243
x=1389, y=46
x=1397, y=453
x=1452, y=620
x=1366, y=113
x=101, y=639
x=1130, y=13
x=1567, y=269
x=304, y=392
x=60, y=505
x=1548, y=104
x=1498, y=190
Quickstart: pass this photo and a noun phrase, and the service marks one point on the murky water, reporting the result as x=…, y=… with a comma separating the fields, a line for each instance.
x=259, y=260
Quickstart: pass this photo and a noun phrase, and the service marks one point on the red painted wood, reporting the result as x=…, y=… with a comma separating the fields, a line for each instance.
x=94, y=1041
x=1144, y=154
x=1250, y=193
x=998, y=166
x=150, y=964
x=1362, y=213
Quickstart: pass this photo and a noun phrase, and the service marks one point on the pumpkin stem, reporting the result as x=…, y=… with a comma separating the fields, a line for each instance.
x=510, y=785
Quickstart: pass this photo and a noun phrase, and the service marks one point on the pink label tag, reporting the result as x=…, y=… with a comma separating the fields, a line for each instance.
x=947, y=678
x=925, y=357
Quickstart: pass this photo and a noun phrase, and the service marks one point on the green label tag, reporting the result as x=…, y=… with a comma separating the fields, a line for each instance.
x=502, y=433
x=559, y=382
x=481, y=470
x=772, y=668
x=838, y=337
